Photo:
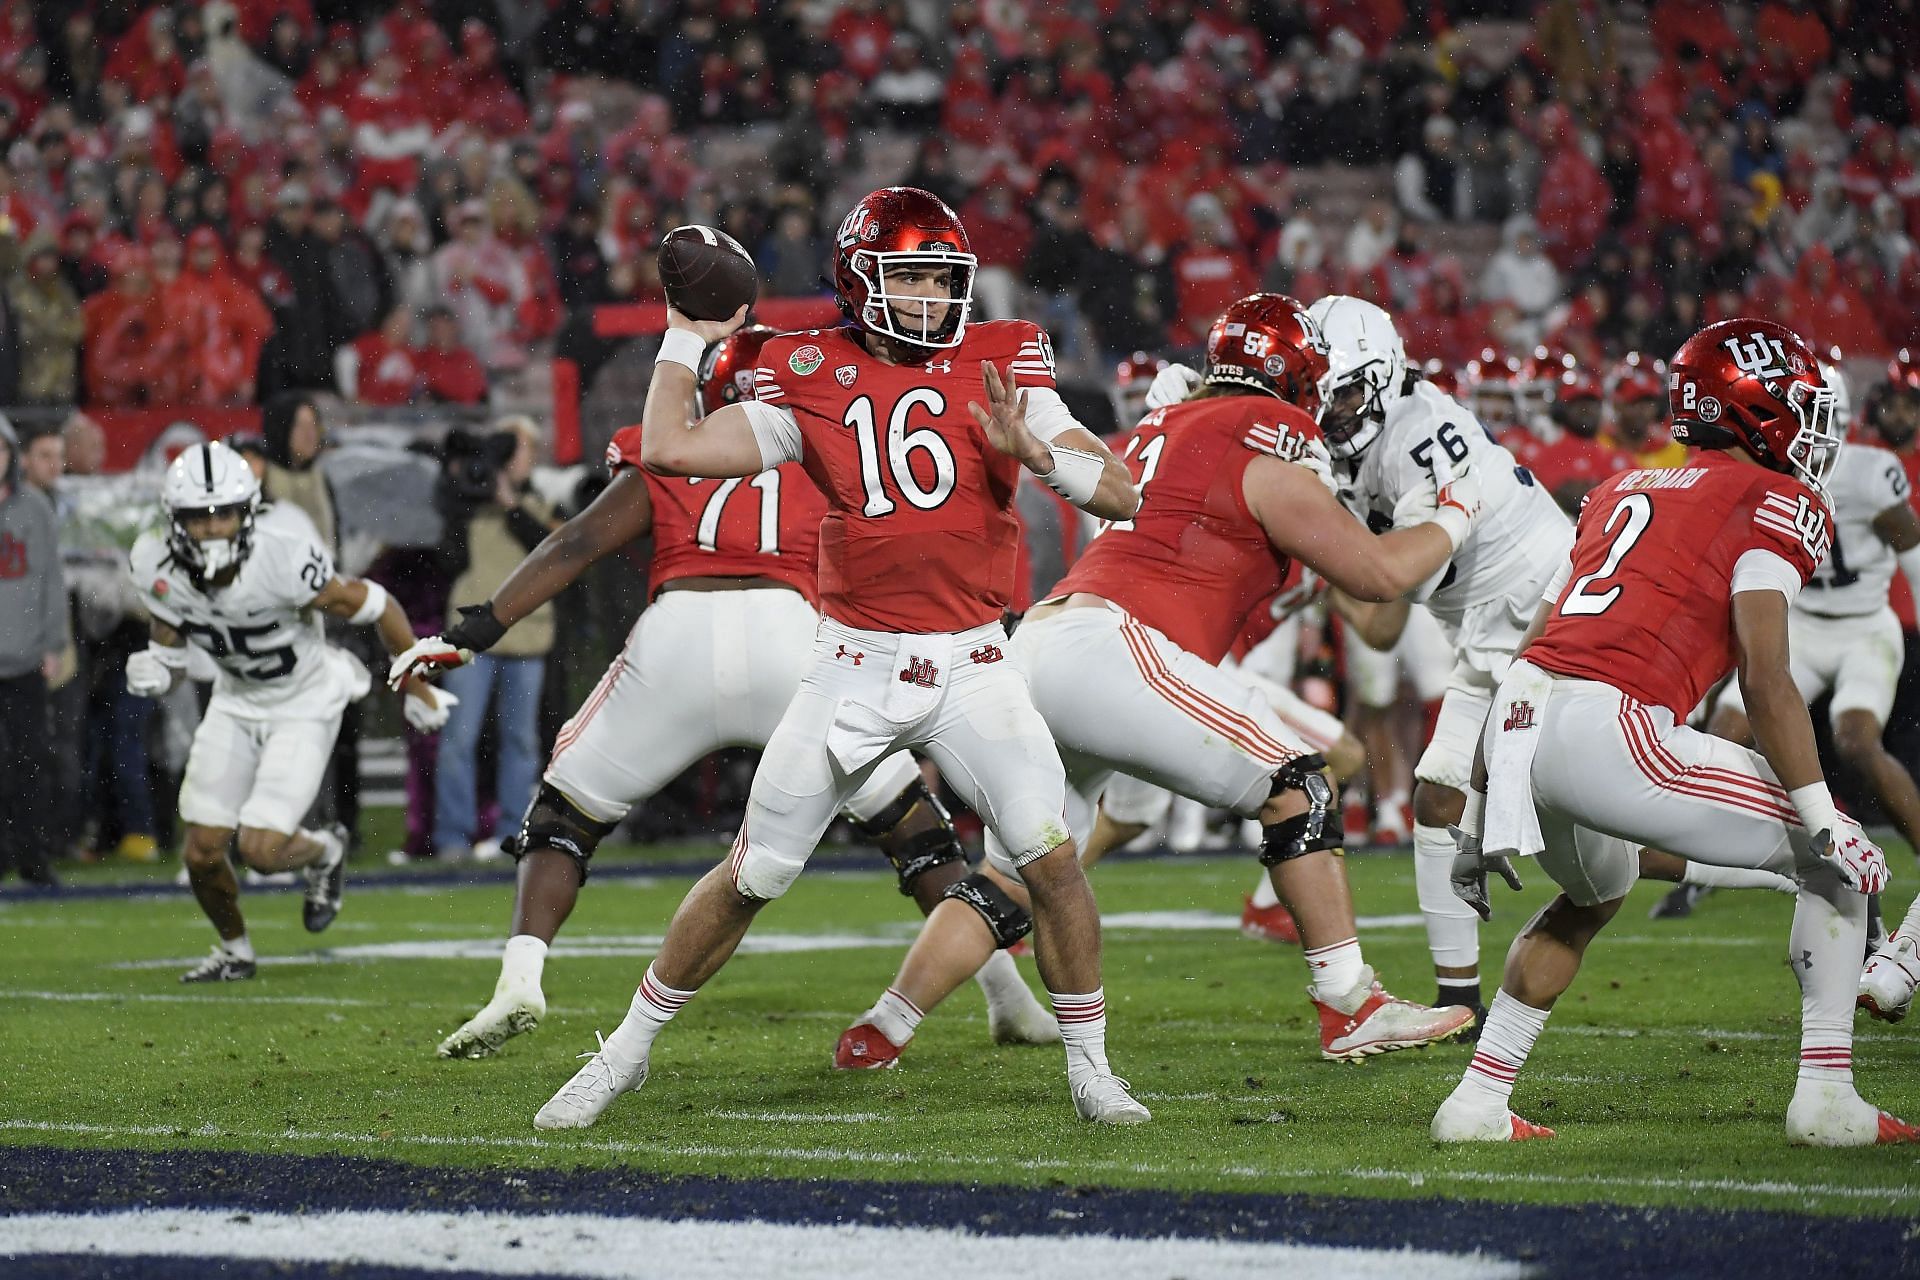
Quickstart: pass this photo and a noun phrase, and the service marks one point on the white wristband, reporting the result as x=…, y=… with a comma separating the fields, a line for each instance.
x=1454, y=523
x=1475, y=816
x=1075, y=475
x=1814, y=804
x=372, y=607
x=681, y=347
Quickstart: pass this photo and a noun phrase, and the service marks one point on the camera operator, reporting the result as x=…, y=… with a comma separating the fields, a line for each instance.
x=492, y=520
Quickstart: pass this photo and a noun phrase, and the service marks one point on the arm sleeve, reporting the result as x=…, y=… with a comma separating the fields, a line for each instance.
x=778, y=432
x=143, y=572
x=1558, y=583
x=1762, y=570
x=1047, y=414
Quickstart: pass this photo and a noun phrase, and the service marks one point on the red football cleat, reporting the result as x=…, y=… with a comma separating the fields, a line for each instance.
x=1384, y=1023
x=1024, y=947
x=863, y=1048
x=1526, y=1130
x=1895, y=1130
x=1271, y=924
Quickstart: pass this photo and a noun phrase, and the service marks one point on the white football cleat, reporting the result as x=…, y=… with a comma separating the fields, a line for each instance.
x=1465, y=1118
x=508, y=1014
x=591, y=1091
x=1023, y=1020
x=1384, y=1023
x=1835, y=1115
x=1104, y=1099
x=1887, y=983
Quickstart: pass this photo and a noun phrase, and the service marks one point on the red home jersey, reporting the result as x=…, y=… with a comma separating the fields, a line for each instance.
x=1194, y=562
x=1648, y=604
x=764, y=526
x=920, y=534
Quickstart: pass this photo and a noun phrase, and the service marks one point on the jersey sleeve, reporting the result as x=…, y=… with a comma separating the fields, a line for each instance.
x=1887, y=485
x=624, y=449
x=143, y=567
x=1033, y=355
x=1791, y=523
x=299, y=567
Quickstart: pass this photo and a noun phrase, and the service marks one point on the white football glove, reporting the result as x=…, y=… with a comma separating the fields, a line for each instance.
x=427, y=658
x=1170, y=386
x=427, y=709
x=1849, y=850
x=1470, y=867
x=147, y=676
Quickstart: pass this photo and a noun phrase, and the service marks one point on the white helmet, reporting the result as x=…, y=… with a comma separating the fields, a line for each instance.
x=1363, y=349
x=1842, y=398
x=209, y=479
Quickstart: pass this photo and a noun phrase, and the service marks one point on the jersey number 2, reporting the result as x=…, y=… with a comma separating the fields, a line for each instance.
x=1633, y=515
x=706, y=534
x=901, y=445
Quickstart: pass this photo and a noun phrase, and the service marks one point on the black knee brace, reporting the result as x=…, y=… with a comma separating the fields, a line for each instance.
x=921, y=851
x=552, y=822
x=1006, y=919
x=1318, y=828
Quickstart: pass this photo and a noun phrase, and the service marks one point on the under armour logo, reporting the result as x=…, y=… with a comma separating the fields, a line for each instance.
x=1519, y=715
x=1804, y=961
x=939, y=366
x=986, y=654
x=922, y=672
x=841, y=652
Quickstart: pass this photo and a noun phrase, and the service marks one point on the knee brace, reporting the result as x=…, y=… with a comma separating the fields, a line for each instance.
x=1318, y=828
x=552, y=822
x=914, y=852
x=1006, y=919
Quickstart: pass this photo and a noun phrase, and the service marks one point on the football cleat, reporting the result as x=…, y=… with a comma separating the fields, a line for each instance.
x=326, y=879
x=1459, y=1120
x=590, y=1092
x=1392, y=826
x=1679, y=902
x=1104, y=1099
x=1025, y=1021
x=864, y=1048
x=221, y=967
x=1384, y=1023
x=505, y=1016
x=1887, y=983
x=1269, y=924
x=1834, y=1115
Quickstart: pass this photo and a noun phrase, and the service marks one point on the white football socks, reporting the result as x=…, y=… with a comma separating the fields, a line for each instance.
x=240, y=948
x=521, y=963
x=1000, y=979
x=1083, y=1026
x=653, y=1007
x=1336, y=970
x=895, y=1017
x=1829, y=933
x=1453, y=927
x=1505, y=1041
x=1707, y=875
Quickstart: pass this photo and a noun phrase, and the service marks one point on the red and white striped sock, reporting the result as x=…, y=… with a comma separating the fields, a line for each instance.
x=895, y=1017
x=1505, y=1041
x=653, y=1007
x=1826, y=1052
x=1083, y=1026
x=1336, y=969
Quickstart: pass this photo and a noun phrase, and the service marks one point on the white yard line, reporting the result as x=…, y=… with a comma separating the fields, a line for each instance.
x=840, y=1155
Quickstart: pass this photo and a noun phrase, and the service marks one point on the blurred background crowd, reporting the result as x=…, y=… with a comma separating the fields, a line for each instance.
x=407, y=216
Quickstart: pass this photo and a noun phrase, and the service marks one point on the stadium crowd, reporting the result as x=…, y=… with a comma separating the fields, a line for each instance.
x=243, y=202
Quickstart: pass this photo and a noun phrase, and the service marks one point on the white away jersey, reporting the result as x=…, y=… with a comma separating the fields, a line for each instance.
x=1854, y=578
x=268, y=645
x=1523, y=536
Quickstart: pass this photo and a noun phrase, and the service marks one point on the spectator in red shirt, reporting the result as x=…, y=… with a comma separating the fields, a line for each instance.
x=123, y=330
x=390, y=128
x=187, y=329
x=1827, y=308
x=241, y=324
x=1209, y=272
x=1700, y=23
x=1571, y=464
x=1877, y=168
x=1574, y=199
x=1792, y=37
x=484, y=285
x=448, y=371
x=380, y=366
x=861, y=33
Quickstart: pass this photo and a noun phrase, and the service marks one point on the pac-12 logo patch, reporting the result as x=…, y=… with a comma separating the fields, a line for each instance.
x=846, y=373
x=806, y=359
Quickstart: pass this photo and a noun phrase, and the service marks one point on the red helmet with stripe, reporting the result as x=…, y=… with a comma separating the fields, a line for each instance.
x=901, y=230
x=1636, y=377
x=1754, y=384
x=726, y=370
x=1268, y=342
x=1132, y=379
x=1904, y=368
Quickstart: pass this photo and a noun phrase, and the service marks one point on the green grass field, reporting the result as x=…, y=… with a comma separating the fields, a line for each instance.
x=1666, y=1069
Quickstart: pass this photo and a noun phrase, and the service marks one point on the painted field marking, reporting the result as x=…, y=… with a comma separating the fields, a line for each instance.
x=1905, y=1192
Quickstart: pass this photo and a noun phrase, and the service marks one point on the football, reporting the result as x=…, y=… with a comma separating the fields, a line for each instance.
x=706, y=273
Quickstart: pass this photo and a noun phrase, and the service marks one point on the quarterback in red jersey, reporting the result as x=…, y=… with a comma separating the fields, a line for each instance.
x=713, y=662
x=1123, y=658
x=1677, y=577
x=915, y=424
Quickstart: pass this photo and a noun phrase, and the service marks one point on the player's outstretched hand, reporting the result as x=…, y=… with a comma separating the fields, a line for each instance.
x=1470, y=867
x=1170, y=386
x=1004, y=417
x=427, y=708
x=709, y=331
x=428, y=657
x=1458, y=489
x=1861, y=864
x=147, y=676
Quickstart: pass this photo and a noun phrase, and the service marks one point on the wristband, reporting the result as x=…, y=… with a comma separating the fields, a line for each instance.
x=1075, y=475
x=478, y=630
x=1814, y=804
x=682, y=347
x=371, y=609
x=1475, y=816
x=1453, y=522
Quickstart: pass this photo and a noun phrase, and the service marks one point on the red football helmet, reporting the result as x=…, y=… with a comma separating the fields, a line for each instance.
x=1577, y=383
x=1537, y=383
x=1637, y=378
x=1755, y=384
x=1268, y=342
x=1904, y=368
x=1490, y=386
x=1132, y=379
x=900, y=228
x=726, y=370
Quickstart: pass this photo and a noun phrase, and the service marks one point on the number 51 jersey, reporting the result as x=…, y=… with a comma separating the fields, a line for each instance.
x=264, y=637
x=1647, y=605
